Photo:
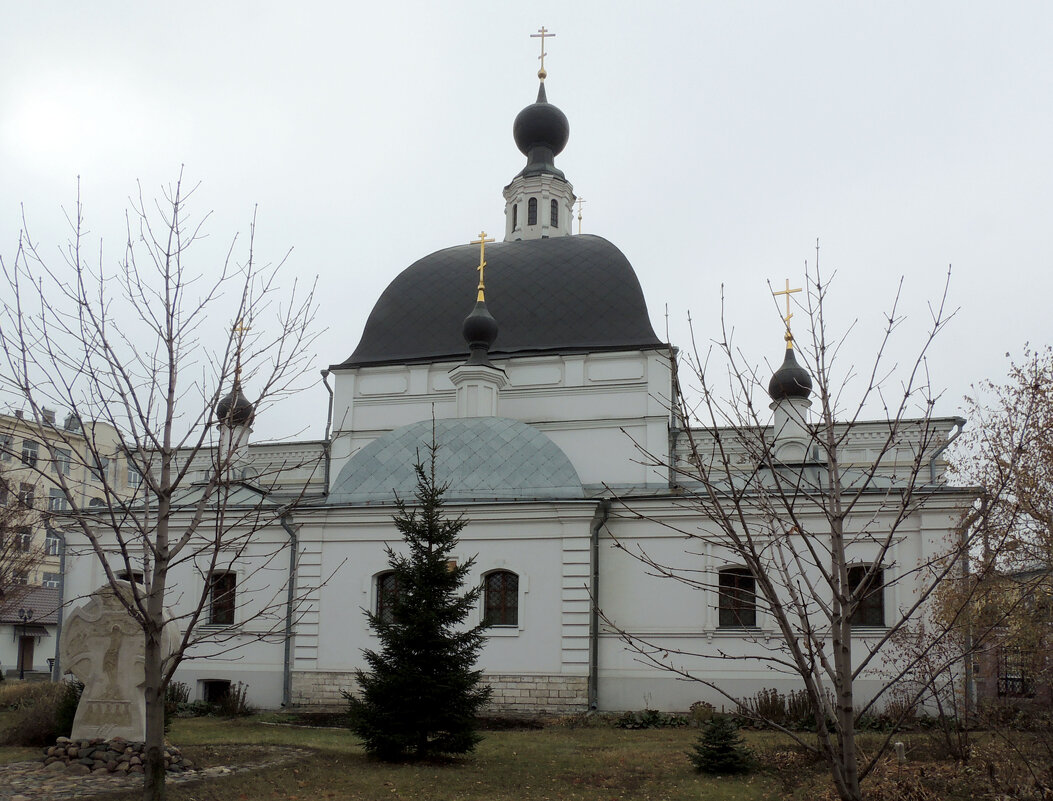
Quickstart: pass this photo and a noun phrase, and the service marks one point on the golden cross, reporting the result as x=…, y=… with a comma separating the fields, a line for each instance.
x=581, y=201
x=239, y=330
x=481, y=242
x=542, y=32
x=787, y=292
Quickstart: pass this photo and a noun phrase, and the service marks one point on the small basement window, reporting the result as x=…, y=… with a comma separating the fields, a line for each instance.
x=215, y=691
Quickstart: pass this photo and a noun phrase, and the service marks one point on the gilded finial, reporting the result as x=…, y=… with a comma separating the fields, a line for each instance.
x=581, y=202
x=788, y=336
x=481, y=242
x=542, y=32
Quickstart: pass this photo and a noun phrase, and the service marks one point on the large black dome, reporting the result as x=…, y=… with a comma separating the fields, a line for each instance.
x=566, y=294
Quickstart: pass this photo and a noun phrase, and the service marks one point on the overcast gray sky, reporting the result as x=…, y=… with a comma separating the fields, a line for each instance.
x=713, y=142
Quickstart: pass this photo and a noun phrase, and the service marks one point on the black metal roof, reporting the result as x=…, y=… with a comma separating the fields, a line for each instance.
x=566, y=294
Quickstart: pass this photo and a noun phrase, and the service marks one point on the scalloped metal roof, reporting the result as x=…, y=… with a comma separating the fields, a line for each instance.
x=564, y=294
x=479, y=458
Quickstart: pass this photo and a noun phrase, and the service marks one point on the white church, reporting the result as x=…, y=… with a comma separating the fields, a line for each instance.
x=544, y=383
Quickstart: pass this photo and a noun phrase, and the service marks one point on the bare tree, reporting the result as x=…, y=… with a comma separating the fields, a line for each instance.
x=147, y=350
x=809, y=519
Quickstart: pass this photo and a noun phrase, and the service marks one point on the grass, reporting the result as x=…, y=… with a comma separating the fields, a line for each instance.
x=554, y=763
x=592, y=763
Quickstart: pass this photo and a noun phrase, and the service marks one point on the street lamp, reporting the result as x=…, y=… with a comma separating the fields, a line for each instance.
x=25, y=615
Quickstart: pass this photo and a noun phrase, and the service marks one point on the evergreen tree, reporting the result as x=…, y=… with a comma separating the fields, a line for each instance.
x=720, y=749
x=421, y=695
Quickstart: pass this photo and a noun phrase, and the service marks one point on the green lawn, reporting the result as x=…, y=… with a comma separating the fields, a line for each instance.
x=552, y=763
x=593, y=763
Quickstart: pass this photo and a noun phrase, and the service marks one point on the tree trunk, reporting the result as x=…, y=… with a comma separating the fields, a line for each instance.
x=847, y=778
x=154, y=756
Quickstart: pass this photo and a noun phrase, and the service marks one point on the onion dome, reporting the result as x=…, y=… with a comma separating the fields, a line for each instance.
x=480, y=331
x=235, y=409
x=541, y=132
x=791, y=380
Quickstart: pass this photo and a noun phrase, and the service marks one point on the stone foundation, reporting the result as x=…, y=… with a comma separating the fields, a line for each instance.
x=512, y=693
x=107, y=756
x=525, y=694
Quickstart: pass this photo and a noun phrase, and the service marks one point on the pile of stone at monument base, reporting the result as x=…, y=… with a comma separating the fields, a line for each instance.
x=107, y=756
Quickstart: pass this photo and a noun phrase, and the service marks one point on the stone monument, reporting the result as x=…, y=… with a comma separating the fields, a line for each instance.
x=103, y=646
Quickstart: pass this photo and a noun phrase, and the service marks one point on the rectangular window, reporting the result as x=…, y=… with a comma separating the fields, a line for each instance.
x=62, y=461
x=26, y=494
x=5, y=447
x=52, y=580
x=221, y=598
x=20, y=577
x=56, y=500
x=871, y=608
x=51, y=545
x=135, y=478
x=1015, y=679
x=30, y=451
x=23, y=539
x=737, y=598
x=100, y=468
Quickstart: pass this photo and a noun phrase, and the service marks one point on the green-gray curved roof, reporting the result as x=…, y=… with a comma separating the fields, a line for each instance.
x=479, y=458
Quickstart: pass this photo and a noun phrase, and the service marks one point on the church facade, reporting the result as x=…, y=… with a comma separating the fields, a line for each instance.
x=552, y=402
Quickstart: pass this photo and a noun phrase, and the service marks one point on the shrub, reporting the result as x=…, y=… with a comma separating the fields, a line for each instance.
x=720, y=749
x=701, y=711
x=42, y=711
x=649, y=719
x=66, y=710
x=235, y=704
x=177, y=693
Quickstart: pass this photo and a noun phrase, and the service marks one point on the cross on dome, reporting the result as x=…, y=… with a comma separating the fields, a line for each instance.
x=481, y=242
x=542, y=32
x=787, y=292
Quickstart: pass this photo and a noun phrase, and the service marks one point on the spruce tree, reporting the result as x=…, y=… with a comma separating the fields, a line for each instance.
x=422, y=693
x=720, y=749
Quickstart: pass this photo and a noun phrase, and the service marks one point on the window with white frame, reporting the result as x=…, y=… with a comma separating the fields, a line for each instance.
x=51, y=580
x=51, y=545
x=30, y=452
x=63, y=459
x=5, y=448
x=100, y=469
x=23, y=539
x=56, y=500
x=135, y=477
x=27, y=494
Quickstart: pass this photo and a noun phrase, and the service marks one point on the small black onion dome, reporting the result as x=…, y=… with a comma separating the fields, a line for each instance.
x=790, y=381
x=541, y=132
x=235, y=409
x=480, y=331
